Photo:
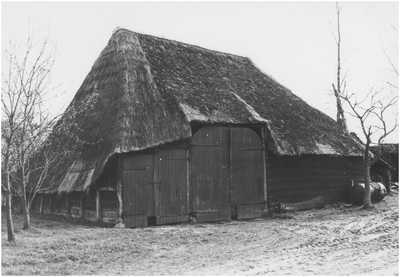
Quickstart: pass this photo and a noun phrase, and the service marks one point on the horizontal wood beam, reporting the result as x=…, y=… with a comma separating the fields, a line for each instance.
x=104, y=189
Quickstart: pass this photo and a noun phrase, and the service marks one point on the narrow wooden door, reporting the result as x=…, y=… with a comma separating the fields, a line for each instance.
x=170, y=186
x=138, y=194
x=247, y=173
x=209, y=188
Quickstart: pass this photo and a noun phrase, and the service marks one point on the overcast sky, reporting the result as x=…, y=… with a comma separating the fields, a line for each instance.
x=291, y=41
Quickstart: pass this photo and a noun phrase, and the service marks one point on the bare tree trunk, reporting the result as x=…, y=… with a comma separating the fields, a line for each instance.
x=10, y=225
x=367, y=192
x=27, y=218
x=340, y=119
x=25, y=203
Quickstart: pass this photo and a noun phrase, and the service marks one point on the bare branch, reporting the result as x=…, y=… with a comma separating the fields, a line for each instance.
x=24, y=90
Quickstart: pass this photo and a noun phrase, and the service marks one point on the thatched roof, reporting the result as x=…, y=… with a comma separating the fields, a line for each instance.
x=389, y=155
x=145, y=91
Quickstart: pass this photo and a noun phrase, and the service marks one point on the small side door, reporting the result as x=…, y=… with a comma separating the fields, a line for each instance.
x=138, y=194
x=170, y=185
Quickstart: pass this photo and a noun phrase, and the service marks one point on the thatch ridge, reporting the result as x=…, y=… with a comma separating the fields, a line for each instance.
x=144, y=91
x=193, y=46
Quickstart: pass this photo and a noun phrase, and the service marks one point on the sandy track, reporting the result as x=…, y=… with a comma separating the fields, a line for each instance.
x=331, y=241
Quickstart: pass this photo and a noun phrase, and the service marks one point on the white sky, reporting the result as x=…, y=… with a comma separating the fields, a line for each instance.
x=290, y=41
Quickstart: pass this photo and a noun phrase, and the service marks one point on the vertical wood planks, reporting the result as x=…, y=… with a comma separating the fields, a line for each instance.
x=224, y=167
x=171, y=185
x=247, y=173
x=138, y=194
x=265, y=157
x=296, y=179
x=209, y=188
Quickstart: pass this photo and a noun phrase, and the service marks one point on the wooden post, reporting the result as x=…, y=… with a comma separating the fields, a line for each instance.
x=120, y=173
x=41, y=203
x=68, y=205
x=156, y=164
x=230, y=169
x=187, y=180
x=263, y=136
x=98, y=207
x=388, y=180
x=51, y=208
x=82, y=206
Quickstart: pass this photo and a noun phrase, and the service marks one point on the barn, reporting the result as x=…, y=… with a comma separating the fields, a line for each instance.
x=161, y=131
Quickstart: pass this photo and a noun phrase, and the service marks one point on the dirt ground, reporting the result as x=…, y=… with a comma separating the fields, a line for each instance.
x=331, y=241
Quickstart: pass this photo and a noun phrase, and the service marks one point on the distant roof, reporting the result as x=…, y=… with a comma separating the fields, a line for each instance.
x=145, y=91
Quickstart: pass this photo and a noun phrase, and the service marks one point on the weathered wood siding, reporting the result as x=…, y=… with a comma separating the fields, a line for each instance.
x=155, y=187
x=109, y=206
x=58, y=204
x=138, y=194
x=90, y=205
x=227, y=173
x=76, y=198
x=300, y=178
x=218, y=175
x=170, y=185
x=209, y=187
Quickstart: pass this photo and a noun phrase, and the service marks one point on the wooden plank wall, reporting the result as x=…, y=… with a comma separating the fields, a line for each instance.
x=300, y=178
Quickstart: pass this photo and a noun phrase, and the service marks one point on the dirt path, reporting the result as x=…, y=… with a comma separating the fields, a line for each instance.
x=331, y=241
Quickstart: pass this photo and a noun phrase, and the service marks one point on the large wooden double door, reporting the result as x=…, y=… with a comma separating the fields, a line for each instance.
x=227, y=174
x=221, y=176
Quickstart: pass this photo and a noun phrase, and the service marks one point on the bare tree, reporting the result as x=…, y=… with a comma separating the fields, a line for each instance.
x=390, y=60
x=6, y=150
x=372, y=112
x=27, y=123
x=340, y=87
